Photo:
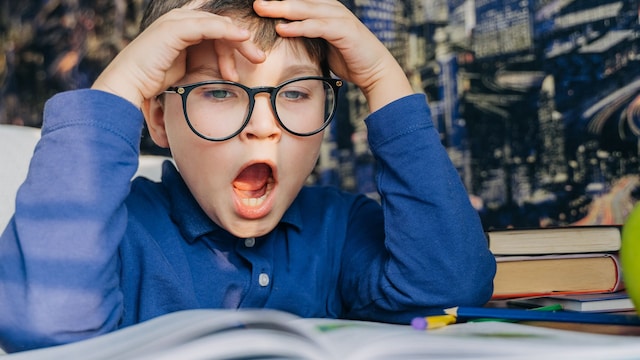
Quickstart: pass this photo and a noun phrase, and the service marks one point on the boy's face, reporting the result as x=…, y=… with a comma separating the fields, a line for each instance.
x=246, y=183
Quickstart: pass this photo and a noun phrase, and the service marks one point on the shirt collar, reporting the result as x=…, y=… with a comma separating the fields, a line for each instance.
x=192, y=221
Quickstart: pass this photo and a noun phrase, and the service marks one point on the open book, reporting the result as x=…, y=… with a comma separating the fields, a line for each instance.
x=226, y=334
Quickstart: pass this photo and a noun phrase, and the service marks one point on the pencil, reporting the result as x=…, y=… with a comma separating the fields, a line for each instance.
x=470, y=313
x=432, y=322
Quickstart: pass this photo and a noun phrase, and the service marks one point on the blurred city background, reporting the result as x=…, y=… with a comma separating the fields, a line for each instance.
x=537, y=101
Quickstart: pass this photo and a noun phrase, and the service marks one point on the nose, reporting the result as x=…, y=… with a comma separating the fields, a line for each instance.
x=262, y=123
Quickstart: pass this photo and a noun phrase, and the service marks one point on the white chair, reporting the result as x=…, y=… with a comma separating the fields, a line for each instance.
x=17, y=144
x=150, y=166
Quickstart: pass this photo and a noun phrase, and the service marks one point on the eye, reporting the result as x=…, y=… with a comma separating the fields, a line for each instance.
x=297, y=91
x=220, y=94
x=303, y=90
x=217, y=92
x=294, y=94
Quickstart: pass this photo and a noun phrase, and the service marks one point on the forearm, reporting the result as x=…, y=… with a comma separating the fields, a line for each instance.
x=437, y=255
x=59, y=263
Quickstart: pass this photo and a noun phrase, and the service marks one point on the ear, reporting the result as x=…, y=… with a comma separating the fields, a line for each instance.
x=153, y=111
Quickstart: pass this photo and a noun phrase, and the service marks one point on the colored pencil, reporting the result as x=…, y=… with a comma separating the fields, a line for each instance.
x=432, y=322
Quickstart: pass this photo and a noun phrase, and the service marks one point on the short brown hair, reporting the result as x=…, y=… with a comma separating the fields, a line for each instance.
x=264, y=29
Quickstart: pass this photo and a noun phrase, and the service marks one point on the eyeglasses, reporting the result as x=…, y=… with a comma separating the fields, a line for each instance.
x=219, y=110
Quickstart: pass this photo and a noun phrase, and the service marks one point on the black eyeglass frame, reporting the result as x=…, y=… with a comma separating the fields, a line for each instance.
x=184, y=91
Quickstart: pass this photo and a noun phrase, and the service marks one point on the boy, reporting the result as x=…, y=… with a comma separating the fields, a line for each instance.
x=241, y=100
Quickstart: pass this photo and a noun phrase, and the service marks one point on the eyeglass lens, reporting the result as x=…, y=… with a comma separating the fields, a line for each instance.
x=219, y=110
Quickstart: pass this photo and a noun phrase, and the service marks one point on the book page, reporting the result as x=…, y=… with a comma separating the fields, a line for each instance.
x=223, y=334
x=167, y=332
x=473, y=340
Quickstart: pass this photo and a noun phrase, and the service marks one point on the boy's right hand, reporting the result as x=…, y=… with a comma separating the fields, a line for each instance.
x=156, y=59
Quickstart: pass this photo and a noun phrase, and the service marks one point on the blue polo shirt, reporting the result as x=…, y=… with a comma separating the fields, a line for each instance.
x=88, y=251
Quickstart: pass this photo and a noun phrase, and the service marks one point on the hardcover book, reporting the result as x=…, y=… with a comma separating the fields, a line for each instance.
x=522, y=276
x=558, y=240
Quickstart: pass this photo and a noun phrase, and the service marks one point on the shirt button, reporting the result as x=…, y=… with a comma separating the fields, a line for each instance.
x=249, y=242
x=263, y=279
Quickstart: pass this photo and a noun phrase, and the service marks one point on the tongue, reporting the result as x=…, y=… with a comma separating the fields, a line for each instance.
x=253, y=178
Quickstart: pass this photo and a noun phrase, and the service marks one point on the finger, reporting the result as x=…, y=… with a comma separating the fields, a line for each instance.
x=227, y=52
x=310, y=28
x=176, y=72
x=190, y=27
x=198, y=26
x=193, y=5
x=226, y=61
x=328, y=19
x=250, y=51
x=193, y=26
x=298, y=9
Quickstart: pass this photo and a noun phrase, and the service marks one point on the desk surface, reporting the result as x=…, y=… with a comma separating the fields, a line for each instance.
x=589, y=328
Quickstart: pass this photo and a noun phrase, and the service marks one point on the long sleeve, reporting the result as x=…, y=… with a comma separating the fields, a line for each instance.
x=59, y=269
x=435, y=254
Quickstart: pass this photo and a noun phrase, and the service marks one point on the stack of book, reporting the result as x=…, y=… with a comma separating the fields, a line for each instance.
x=556, y=261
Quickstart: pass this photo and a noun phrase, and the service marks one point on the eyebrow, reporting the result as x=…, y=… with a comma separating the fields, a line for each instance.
x=301, y=70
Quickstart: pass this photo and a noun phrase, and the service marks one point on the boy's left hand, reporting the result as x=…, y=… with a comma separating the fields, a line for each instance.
x=356, y=54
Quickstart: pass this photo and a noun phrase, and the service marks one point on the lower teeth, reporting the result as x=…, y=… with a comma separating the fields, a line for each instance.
x=254, y=201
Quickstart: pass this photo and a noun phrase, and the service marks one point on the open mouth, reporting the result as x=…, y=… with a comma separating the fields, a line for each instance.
x=253, y=184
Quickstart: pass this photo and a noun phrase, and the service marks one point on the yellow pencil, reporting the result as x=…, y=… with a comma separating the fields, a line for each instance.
x=432, y=322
